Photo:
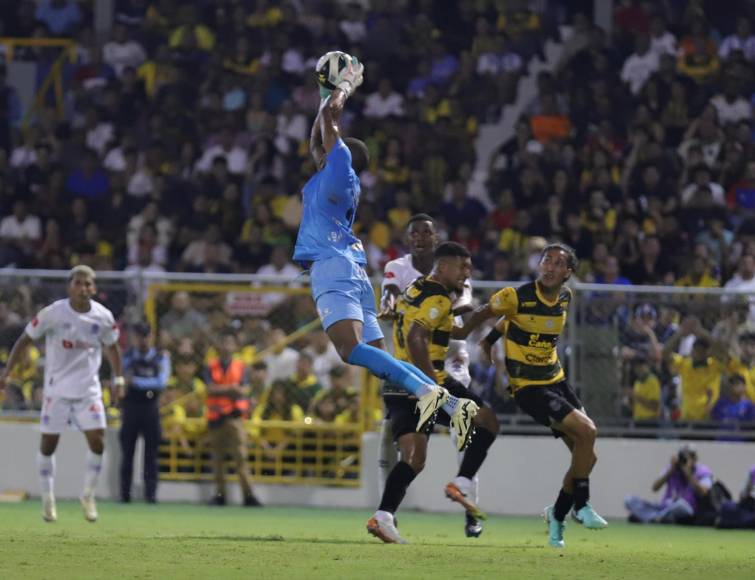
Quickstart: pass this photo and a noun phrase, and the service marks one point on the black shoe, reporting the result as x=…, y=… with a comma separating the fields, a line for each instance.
x=151, y=499
x=252, y=501
x=125, y=499
x=219, y=499
x=473, y=527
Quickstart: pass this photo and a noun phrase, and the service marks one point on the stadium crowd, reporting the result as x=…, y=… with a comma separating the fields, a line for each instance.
x=183, y=147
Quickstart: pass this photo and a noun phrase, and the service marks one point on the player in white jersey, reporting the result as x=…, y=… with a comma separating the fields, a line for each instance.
x=76, y=331
x=397, y=275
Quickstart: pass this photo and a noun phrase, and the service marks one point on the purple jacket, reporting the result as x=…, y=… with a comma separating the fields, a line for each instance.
x=677, y=486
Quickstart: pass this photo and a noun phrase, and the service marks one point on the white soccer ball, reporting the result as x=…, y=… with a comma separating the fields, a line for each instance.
x=330, y=69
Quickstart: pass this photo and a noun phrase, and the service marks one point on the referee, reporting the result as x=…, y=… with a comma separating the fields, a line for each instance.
x=147, y=372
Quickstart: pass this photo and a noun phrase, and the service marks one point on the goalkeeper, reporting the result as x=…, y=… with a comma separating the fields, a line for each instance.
x=327, y=246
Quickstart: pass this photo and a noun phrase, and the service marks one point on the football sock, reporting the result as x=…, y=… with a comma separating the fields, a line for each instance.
x=395, y=488
x=384, y=366
x=46, y=470
x=476, y=453
x=581, y=493
x=387, y=455
x=563, y=505
x=92, y=474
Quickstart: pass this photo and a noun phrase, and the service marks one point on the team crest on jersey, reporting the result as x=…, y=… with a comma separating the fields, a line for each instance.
x=549, y=323
x=66, y=326
x=434, y=313
x=334, y=236
x=35, y=321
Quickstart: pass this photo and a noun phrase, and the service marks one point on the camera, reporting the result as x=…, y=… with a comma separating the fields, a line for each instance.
x=685, y=455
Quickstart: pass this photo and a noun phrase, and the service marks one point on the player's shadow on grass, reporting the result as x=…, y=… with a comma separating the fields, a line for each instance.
x=334, y=541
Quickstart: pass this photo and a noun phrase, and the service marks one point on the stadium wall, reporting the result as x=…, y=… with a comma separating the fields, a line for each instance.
x=521, y=475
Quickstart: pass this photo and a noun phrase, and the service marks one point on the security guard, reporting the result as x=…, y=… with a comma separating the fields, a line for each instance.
x=147, y=372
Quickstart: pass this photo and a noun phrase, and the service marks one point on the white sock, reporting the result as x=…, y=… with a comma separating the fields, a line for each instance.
x=46, y=471
x=450, y=405
x=92, y=474
x=474, y=493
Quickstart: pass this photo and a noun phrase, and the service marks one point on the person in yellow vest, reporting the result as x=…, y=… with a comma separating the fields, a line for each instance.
x=700, y=373
x=226, y=406
x=646, y=393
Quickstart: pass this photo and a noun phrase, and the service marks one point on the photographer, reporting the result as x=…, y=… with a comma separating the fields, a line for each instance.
x=740, y=514
x=687, y=484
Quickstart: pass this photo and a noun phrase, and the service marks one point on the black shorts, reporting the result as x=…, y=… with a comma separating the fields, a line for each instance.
x=402, y=410
x=548, y=404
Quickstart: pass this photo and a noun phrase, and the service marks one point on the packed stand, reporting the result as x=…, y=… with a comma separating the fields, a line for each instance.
x=189, y=112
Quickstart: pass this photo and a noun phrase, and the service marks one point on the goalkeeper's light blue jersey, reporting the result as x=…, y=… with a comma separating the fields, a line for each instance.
x=330, y=200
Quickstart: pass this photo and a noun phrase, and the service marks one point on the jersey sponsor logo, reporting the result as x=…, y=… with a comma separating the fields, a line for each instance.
x=95, y=328
x=335, y=237
x=529, y=304
x=35, y=322
x=390, y=275
x=535, y=342
x=357, y=246
x=81, y=344
x=537, y=359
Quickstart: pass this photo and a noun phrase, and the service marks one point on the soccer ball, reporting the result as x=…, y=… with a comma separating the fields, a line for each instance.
x=330, y=69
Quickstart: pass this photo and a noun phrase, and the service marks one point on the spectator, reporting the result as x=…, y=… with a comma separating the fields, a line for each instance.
x=740, y=41
x=20, y=233
x=730, y=105
x=699, y=374
x=662, y=41
x=339, y=403
x=462, y=210
x=305, y=381
x=744, y=364
x=281, y=358
x=385, y=102
x=687, y=485
x=234, y=155
x=89, y=181
x=740, y=514
x=122, y=51
x=195, y=254
x=646, y=393
x=640, y=65
x=324, y=356
x=182, y=320
x=744, y=281
x=733, y=407
x=611, y=273
x=190, y=32
x=699, y=275
x=60, y=16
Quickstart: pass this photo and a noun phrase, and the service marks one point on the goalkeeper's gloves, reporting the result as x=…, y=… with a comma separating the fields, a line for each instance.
x=352, y=77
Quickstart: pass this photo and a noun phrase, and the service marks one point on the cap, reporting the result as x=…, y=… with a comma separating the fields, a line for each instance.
x=646, y=309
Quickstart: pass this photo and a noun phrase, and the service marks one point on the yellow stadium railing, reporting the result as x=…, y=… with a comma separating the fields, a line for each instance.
x=53, y=79
x=314, y=454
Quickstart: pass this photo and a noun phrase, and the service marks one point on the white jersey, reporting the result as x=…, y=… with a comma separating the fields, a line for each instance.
x=400, y=273
x=73, y=347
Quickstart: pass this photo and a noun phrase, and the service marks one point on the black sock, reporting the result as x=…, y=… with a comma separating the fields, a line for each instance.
x=476, y=453
x=563, y=505
x=581, y=493
x=395, y=486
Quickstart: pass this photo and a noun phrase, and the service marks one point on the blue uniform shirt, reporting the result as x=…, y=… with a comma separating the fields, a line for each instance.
x=149, y=371
x=330, y=200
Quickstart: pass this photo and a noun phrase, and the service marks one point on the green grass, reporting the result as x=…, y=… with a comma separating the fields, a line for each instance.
x=189, y=541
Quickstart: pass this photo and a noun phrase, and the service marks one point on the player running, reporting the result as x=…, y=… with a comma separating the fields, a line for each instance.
x=398, y=274
x=327, y=245
x=76, y=331
x=535, y=315
x=421, y=333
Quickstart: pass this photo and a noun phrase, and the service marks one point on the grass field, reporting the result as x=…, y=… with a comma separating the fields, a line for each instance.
x=188, y=541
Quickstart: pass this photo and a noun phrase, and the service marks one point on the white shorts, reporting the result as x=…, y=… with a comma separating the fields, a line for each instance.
x=59, y=414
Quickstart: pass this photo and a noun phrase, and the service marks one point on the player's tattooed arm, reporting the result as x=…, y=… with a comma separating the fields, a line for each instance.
x=417, y=343
x=480, y=315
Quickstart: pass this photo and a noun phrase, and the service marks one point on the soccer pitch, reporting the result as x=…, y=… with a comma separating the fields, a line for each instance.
x=189, y=541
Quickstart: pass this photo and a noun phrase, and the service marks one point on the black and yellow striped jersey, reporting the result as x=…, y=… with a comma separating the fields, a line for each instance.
x=428, y=303
x=533, y=326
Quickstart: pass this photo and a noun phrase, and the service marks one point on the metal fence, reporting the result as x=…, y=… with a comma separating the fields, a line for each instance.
x=626, y=380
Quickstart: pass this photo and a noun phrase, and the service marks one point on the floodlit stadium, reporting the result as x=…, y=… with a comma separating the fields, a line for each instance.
x=283, y=282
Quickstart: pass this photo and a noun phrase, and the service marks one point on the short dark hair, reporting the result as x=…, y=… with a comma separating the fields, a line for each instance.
x=571, y=256
x=702, y=341
x=451, y=250
x=360, y=155
x=420, y=217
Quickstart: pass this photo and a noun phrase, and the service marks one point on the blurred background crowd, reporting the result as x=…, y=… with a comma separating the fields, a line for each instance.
x=182, y=146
